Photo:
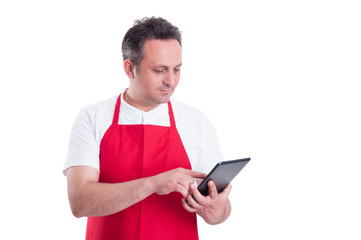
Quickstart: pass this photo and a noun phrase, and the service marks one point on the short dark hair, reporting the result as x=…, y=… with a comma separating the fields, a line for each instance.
x=147, y=29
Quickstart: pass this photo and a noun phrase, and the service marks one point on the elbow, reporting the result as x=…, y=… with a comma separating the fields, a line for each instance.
x=77, y=204
x=77, y=209
x=77, y=213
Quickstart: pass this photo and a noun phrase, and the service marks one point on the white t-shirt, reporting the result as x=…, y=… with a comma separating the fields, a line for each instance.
x=195, y=130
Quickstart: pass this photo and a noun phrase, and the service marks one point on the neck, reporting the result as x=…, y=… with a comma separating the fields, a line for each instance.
x=132, y=100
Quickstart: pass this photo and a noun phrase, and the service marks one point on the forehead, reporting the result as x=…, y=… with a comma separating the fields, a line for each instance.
x=166, y=52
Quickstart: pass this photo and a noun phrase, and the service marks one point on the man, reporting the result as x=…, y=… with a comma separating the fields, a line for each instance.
x=133, y=159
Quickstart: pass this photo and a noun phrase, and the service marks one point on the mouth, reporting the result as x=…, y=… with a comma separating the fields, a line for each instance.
x=165, y=91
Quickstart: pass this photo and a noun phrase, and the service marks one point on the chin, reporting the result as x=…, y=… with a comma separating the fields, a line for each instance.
x=162, y=100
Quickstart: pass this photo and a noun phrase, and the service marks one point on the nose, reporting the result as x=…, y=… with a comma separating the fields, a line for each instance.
x=170, y=79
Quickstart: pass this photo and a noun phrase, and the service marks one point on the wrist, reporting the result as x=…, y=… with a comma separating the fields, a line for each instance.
x=149, y=185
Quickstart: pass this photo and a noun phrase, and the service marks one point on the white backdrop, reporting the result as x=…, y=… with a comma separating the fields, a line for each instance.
x=278, y=79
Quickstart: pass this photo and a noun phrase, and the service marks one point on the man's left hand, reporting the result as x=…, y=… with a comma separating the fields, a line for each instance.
x=214, y=208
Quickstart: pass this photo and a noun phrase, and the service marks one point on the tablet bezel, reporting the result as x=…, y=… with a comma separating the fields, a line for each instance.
x=222, y=174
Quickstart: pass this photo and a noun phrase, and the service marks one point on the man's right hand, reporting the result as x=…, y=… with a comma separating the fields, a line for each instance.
x=176, y=180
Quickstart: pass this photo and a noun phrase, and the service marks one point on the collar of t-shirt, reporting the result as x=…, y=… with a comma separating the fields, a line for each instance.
x=129, y=115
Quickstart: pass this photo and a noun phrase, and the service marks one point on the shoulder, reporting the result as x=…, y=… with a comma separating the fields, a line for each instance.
x=190, y=119
x=101, y=108
x=95, y=118
x=184, y=111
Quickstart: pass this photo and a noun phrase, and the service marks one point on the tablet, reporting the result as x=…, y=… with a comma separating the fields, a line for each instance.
x=222, y=174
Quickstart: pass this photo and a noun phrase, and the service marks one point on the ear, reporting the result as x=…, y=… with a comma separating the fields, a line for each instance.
x=129, y=68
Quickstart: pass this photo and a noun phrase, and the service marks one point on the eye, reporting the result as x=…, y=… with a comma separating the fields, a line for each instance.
x=177, y=70
x=159, y=70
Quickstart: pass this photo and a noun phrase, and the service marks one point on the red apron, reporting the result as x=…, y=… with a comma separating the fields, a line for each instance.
x=129, y=152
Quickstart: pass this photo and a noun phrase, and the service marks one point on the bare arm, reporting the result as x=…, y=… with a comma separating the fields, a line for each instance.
x=88, y=197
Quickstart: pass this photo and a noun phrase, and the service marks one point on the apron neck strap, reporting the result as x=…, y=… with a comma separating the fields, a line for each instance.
x=117, y=107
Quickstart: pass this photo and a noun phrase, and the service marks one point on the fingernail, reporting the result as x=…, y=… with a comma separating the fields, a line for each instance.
x=192, y=186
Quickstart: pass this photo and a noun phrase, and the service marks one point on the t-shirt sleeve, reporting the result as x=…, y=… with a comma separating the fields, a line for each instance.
x=211, y=152
x=83, y=149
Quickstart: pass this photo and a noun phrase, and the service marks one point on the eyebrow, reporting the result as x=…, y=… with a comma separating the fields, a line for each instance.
x=165, y=66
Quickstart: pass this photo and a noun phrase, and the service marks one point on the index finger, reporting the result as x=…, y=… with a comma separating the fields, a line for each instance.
x=195, y=174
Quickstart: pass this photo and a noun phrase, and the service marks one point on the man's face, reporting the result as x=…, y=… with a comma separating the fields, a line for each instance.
x=158, y=74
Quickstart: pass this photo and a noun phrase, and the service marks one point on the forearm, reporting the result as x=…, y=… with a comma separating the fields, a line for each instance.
x=101, y=199
x=90, y=198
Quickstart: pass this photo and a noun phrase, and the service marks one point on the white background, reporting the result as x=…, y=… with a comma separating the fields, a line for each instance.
x=278, y=79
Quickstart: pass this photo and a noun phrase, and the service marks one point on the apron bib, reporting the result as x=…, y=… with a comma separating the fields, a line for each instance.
x=129, y=152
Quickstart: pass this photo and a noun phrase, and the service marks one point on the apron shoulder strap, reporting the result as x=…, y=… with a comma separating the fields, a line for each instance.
x=116, y=111
x=171, y=115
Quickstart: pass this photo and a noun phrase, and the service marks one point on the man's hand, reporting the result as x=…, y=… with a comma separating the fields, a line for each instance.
x=176, y=180
x=214, y=208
